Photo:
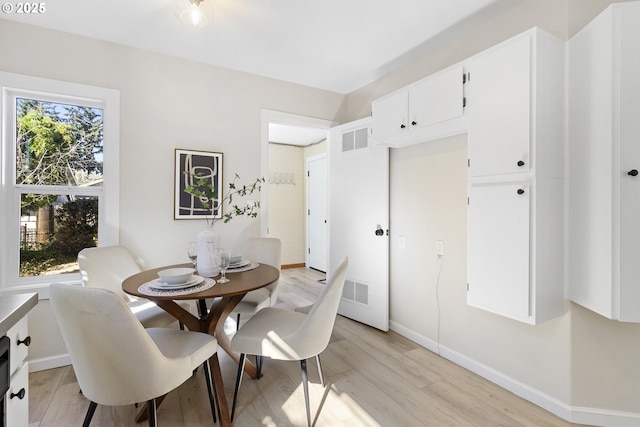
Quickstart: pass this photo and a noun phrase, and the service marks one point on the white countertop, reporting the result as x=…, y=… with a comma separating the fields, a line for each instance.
x=15, y=307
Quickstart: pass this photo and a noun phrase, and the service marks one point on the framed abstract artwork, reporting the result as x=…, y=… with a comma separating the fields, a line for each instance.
x=192, y=166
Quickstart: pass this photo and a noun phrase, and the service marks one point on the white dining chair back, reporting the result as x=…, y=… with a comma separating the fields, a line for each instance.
x=106, y=267
x=116, y=361
x=290, y=335
x=264, y=250
x=321, y=318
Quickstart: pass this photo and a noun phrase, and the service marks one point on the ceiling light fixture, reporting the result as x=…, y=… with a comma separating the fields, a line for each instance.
x=194, y=13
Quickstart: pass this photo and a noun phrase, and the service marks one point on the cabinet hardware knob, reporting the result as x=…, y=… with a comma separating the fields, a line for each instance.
x=520, y=163
x=26, y=341
x=402, y=126
x=413, y=123
x=520, y=191
x=633, y=172
x=19, y=395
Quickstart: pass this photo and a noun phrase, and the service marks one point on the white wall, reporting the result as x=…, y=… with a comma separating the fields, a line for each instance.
x=166, y=103
x=579, y=365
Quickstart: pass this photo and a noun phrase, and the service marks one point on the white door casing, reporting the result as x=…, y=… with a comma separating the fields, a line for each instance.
x=359, y=221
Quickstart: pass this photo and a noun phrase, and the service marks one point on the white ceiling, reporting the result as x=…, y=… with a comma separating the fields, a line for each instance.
x=337, y=45
x=295, y=135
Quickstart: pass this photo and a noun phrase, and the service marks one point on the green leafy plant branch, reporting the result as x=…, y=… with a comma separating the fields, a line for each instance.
x=204, y=190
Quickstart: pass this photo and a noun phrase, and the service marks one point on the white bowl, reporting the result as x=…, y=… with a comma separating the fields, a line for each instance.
x=235, y=259
x=176, y=275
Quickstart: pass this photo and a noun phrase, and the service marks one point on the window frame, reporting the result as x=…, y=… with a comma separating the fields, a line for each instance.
x=14, y=86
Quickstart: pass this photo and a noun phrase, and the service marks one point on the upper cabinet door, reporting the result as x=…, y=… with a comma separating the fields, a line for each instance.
x=389, y=121
x=499, y=114
x=437, y=98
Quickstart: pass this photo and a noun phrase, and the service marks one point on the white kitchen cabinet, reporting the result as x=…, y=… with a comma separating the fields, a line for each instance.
x=499, y=217
x=500, y=123
x=17, y=397
x=515, y=248
x=604, y=160
x=426, y=110
x=516, y=176
x=516, y=107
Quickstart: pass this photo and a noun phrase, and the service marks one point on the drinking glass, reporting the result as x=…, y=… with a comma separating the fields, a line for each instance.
x=225, y=260
x=191, y=251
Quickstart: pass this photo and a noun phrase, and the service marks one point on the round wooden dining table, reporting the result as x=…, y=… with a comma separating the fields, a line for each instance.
x=223, y=297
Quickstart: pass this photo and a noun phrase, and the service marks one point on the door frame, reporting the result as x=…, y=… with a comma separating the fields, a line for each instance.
x=272, y=116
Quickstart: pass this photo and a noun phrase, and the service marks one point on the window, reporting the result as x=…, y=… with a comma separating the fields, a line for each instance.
x=59, y=177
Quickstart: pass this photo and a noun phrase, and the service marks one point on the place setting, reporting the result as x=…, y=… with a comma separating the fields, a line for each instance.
x=239, y=264
x=176, y=281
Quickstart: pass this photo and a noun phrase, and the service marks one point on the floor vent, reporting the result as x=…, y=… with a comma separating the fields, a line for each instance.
x=355, y=291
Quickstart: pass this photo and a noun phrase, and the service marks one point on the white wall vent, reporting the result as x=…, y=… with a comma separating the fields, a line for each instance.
x=355, y=140
x=362, y=138
x=356, y=292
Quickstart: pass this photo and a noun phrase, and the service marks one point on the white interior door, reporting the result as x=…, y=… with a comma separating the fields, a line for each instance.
x=359, y=221
x=317, y=212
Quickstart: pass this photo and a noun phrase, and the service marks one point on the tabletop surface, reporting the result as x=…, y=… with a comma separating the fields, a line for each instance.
x=240, y=283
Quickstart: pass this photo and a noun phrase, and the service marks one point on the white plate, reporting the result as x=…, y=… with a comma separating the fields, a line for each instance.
x=195, y=280
x=242, y=263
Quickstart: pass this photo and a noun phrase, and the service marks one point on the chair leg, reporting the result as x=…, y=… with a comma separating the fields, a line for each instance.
x=259, y=360
x=89, y=416
x=320, y=370
x=241, y=363
x=210, y=389
x=305, y=386
x=238, y=322
x=151, y=413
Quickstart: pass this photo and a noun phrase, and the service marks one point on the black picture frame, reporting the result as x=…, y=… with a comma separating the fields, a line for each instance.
x=188, y=164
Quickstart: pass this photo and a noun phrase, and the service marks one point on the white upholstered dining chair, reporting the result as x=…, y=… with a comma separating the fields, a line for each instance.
x=290, y=335
x=118, y=362
x=106, y=267
x=264, y=250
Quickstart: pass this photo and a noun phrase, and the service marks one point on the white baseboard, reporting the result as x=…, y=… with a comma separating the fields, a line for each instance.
x=574, y=414
x=51, y=362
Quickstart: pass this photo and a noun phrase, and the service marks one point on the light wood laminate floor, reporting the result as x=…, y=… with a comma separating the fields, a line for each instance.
x=373, y=379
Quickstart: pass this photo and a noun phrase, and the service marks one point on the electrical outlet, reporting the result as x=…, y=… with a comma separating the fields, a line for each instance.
x=439, y=248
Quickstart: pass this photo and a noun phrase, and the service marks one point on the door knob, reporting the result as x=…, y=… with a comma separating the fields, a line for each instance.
x=20, y=395
x=413, y=123
x=520, y=191
x=402, y=126
x=520, y=163
x=633, y=172
x=379, y=232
